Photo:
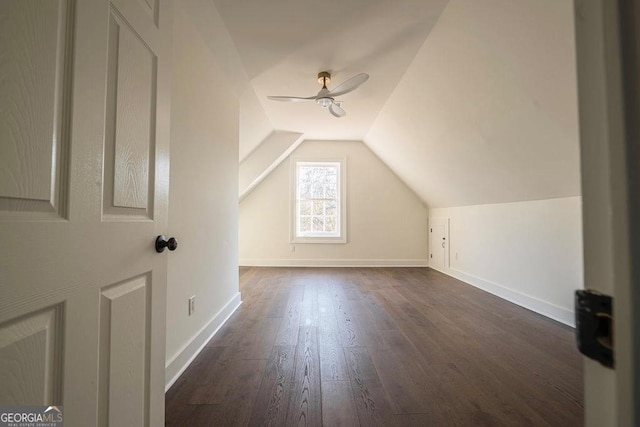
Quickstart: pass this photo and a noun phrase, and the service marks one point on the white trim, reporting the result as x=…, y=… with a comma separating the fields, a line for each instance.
x=334, y=262
x=181, y=360
x=281, y=158
x=539, y=306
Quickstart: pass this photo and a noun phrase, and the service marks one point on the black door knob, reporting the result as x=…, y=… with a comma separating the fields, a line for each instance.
x=162, y=242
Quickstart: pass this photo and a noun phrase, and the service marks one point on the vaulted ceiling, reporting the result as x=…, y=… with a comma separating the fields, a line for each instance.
x=469, y=102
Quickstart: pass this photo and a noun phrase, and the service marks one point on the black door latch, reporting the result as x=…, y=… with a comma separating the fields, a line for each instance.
x=594, y=326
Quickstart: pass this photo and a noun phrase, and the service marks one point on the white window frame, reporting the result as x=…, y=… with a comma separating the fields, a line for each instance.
x=342, y=200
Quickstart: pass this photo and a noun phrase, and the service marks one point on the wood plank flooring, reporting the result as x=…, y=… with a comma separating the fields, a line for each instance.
x=378, y=346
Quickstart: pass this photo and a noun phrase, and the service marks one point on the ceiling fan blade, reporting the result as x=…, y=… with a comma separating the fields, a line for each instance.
x=349, y=85
x=337, y=110
x=291, y=98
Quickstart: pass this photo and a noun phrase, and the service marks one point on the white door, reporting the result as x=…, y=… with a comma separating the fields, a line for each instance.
x=607, y=35
x=84, y=115
x=438, y=244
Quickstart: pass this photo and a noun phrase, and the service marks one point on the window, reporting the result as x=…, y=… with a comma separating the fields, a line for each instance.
x=318, y=201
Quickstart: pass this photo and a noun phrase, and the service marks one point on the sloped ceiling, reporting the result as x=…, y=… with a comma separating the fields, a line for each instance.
x=487, y=112
x=284, y=44
x=469, y=102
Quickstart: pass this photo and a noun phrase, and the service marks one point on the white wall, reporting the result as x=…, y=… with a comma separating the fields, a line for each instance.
x=203, y=205
x=273, y=150
x=254, y=123
x=487, y=111
x=527, y=252
x=386, y=224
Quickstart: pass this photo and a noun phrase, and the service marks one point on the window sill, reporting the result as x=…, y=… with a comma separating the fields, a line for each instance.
x=322, y=240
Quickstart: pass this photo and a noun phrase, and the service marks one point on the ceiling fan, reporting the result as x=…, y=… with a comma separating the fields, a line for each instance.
x=326, y=98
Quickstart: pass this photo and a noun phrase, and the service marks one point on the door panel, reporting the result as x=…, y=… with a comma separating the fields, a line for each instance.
x=124, y=348
x=83, y=194
x=151, y=7
x=130, y=123
x=30, y=358
x=34, y=47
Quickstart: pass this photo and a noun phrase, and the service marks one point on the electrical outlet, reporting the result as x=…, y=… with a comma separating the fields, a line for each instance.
x=293, y=248
x=192, y=305
x=456, y=255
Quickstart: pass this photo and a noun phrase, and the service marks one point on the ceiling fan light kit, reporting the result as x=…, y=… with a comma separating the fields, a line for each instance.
x=326, y=98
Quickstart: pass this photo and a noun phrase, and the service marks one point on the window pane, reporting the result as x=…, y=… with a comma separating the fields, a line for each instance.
x=331, y=208
x=305, y=207
x=306, y=173
x=318, y=224
x=305, y=224
x=305, y=190
x=317, y=190
x=331, y=191
x=318, y=208
x=319, y=173
x=330, y=224
x=332, y=175
x=305, y=179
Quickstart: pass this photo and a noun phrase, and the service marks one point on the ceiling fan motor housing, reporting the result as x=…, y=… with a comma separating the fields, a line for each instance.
x=324, y=102
x=322, y=98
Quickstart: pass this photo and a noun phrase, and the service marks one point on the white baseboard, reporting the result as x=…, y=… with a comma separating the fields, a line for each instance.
x=545, y=308
x=333, y=262
x=179, y=362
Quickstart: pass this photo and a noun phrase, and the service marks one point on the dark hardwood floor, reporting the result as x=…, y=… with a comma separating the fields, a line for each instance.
x=379, y=346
